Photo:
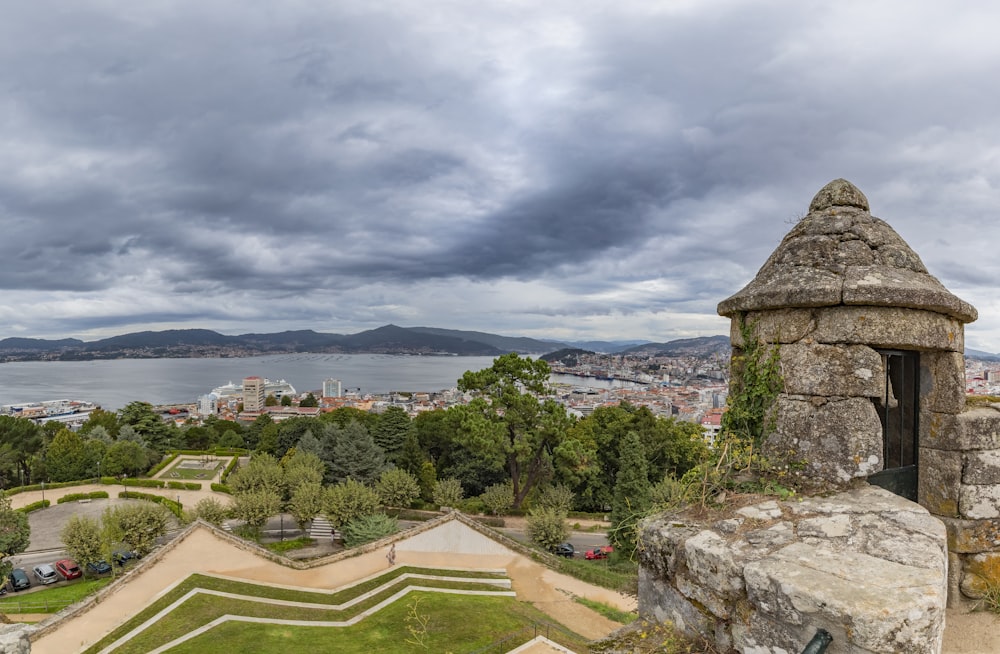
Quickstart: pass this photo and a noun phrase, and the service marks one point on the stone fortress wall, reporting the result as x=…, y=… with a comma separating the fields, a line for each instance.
x=859, y=322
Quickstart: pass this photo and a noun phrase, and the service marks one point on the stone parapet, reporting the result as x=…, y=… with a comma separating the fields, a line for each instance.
x=866, y=565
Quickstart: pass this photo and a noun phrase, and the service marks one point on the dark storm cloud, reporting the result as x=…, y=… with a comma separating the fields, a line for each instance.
x=489, y=164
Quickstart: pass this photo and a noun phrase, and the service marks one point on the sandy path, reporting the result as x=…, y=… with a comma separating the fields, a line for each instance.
x=202, y=551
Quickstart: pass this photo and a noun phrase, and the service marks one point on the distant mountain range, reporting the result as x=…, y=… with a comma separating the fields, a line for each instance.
x=389, y=339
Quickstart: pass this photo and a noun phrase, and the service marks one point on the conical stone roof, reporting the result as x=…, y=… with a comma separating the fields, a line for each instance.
x=840, y=254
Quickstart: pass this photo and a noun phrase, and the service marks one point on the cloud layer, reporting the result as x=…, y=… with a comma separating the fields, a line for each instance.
x=557, y=169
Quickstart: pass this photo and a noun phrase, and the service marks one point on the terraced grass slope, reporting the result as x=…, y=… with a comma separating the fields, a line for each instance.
x=403, y=609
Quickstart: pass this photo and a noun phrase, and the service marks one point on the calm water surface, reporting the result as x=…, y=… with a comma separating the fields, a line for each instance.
x=113, y=384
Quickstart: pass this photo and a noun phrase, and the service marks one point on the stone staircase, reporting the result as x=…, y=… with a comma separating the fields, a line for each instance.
x=321, y=530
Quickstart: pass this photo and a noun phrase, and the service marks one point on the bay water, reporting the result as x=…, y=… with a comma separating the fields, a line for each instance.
x=114, y=383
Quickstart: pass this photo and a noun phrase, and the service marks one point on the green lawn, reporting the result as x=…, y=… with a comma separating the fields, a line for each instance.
x=201, y=609
x=175, y=472
x=51, y=600
x=455, y=624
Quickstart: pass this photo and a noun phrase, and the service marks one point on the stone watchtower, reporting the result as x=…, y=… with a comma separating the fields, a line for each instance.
x=871, y=349
x=871, y=353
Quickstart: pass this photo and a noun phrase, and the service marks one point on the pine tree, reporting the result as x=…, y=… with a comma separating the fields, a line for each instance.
x=356, y=456
x=391, y=431
x=631, y=494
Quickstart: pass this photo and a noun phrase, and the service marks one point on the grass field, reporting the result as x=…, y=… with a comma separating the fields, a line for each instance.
x=448, y=623
x=175, y=472
x=51, y=600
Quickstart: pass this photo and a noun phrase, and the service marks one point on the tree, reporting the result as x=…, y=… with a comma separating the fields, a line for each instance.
x=348, y=500
x=270, y=400
x=100, y=418
x=508, y=420
x=498, y=498
x=448, y=492
x=210, y=510
x=15, y=534
x=65, y=457
x=632, y=494
x=309, y=443
x=397, y=488
x=230, y=439
x=136, y=526
x=309, y=401
x=391, y=430
x=355, y=455
x=83, y=540
x=556, y=497
x=546, y=527
x=148, y=425
x=262, y=473
x=427, y=481
x=307, y=502
x=254, y=507
x=411, y=457
x=302, y=468
x=20, y=441
x=125, y=458
x=286, y=400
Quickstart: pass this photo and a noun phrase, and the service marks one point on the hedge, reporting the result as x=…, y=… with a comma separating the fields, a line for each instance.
x=222, y=488
x=173, y=506
x=162, y=464
x=74, y=497
x=229, y=468
x=35, y=487
x=130, y=481
x=184, y=485
x=34, y=506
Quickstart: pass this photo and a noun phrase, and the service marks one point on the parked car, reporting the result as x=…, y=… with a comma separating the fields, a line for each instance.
x=121, y=557
x=68, y=569
x=18, y=579
x=598, y=553
x=564, y=549
x=45, y=573
x=99, y=567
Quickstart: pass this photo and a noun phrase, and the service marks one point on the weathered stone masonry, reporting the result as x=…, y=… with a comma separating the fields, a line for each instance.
x=871, y=344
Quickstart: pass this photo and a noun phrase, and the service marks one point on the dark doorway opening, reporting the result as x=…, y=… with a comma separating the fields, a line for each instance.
x=899, y=411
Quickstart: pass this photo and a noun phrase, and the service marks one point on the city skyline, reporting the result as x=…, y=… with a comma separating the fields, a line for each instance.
x=569, y=171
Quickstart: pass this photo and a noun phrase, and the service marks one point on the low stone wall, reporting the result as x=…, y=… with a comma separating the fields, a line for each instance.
x=866, y=565
x=960, y=483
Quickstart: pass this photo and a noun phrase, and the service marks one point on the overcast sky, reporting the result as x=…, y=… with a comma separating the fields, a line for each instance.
x=558, y=169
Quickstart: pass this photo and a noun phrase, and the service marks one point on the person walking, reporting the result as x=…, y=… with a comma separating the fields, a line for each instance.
x=391, y=556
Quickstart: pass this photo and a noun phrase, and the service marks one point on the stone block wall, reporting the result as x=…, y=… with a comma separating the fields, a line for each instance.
x=866, y=565
x=960, y=483
x=825, y=417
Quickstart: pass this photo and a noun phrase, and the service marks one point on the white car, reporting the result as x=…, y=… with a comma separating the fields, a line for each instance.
x=45, y=573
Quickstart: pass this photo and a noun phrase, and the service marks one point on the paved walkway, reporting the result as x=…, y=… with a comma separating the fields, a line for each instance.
x=203, y=551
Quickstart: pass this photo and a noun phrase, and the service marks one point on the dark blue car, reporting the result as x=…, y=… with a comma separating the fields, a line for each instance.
x=18, y=579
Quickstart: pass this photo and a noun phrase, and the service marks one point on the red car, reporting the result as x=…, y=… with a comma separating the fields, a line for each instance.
x=599, y=552
x=68, y=568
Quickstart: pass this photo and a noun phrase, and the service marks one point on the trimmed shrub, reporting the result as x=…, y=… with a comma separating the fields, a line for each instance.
x=34, y=506
x=222, y=488
x=75, y=497
x=184, y=485
x=34, y=487
x=498, y=498
x=547, y=527
x=174, y=506
x=162, y=464
x=229, y=468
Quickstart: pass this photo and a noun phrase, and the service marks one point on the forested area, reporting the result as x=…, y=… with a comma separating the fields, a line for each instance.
x=511, y=447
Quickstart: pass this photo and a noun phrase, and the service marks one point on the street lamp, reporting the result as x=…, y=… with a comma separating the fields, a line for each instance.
x=98, y=471
x=43, y=493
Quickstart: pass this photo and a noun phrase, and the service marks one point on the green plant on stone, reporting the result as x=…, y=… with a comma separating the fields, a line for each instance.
x=368, y=528
x=737, y=462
